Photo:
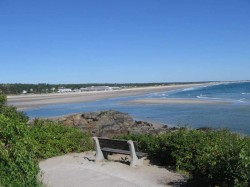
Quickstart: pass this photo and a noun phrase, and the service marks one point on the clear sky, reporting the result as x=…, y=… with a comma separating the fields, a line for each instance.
x=80, y=41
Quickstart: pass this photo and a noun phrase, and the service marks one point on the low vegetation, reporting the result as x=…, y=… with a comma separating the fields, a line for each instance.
x=54, y=139
x=212, y=158
x=18, y=166
x=22, y=145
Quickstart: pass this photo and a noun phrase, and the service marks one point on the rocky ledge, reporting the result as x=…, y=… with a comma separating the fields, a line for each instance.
x=111, y=123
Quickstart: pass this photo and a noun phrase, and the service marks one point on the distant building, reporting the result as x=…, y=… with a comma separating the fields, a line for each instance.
x=99, y=88
x=95, y=88
x=64, y=90
x=115, y=88
x=24, y=92
x=76, y=90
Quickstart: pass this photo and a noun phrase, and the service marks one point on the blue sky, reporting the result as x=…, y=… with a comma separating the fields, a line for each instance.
x=80, y=41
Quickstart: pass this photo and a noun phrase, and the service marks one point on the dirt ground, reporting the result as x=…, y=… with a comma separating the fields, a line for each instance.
x=79, y=169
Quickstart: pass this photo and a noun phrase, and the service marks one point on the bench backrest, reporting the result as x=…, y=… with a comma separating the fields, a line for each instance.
x=116, y=144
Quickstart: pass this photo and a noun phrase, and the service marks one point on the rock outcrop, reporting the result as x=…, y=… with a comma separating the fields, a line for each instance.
x=110, y=123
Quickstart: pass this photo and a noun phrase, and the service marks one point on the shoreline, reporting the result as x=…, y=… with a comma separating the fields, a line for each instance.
x=23, y=102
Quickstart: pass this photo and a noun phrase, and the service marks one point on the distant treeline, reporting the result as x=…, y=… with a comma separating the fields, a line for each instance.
x=50, y=88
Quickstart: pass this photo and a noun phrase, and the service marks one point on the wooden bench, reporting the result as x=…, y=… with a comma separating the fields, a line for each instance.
x=105, y=146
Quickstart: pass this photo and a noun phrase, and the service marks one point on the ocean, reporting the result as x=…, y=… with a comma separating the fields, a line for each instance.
x=233, y=115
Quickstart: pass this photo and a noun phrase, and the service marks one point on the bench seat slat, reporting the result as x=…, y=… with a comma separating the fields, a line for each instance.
x=125, y=152
x=106, y=149
x=116, y=144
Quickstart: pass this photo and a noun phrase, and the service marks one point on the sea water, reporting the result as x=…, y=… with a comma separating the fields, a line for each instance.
x=233, y=115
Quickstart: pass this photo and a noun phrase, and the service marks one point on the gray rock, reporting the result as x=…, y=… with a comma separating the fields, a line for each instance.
x=109, y=124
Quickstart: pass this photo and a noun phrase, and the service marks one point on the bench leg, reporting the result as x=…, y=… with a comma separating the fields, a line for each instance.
x=99, y=155
x=134, y=159
x=105, y=154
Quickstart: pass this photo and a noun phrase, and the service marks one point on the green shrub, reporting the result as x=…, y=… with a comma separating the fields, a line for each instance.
x=22, y=145
x=213, y=158
x=53, y=139
x=3, y=100
x=18, y=166
x=11, y=112
x=223, y=160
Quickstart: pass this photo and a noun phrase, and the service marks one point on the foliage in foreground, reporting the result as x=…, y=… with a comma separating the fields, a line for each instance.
x=18, y=166
x=213, y=158
x=54, y=139
x=10, y=111
x=21, y=145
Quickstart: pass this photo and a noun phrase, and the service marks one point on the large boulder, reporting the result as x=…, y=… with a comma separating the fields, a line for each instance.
x=109, y=123
x=103, y=123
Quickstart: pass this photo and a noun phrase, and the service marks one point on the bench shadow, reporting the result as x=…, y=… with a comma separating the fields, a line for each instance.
x=160, y=165
x=89, y=159
x=177, y=183
x=123, y=162
x=111, y=158
x=119, y=158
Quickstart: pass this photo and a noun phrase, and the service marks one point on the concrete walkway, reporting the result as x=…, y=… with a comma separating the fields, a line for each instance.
x=77, y=169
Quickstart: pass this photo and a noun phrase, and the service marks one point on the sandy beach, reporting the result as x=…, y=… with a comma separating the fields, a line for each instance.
x=33, y=101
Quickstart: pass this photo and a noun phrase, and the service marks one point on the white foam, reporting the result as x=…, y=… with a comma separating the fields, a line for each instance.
x=198, y=87
x=152, y=95
x=201, y=97
x=242, y=100
x=212, y=98
x=188, y=89
x=245, y=93
x=164, y=95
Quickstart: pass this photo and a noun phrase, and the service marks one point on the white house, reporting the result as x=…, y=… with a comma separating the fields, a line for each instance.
x=64, y=90
x=99, y=88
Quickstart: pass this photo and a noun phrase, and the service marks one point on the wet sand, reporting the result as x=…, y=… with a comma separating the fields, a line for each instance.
x=32, y=101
